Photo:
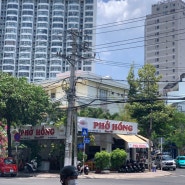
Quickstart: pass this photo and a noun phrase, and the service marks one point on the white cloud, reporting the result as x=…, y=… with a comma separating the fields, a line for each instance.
x=121, y=11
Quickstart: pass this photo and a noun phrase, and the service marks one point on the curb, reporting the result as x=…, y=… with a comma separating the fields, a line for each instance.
x=92, y=175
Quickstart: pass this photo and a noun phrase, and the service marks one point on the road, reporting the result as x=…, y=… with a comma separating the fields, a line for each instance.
x=177, y=177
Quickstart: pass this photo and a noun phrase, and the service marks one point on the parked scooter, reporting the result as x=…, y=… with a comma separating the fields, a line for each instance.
x=83, y=169
x=31, y=167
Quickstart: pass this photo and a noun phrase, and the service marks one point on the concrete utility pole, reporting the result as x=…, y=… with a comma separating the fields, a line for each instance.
x=71, y=127
x=71, y=103
x=150, y=144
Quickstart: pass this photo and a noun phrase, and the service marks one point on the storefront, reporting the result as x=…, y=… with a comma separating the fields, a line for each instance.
x=108, y=134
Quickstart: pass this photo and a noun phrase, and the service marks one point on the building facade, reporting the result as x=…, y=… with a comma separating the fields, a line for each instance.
x=165, y=40
x=33, y=31
x=91, y=90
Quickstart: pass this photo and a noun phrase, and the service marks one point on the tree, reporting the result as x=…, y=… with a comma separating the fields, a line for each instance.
x=177, y=132
x=21, y=103
x=151, y=114
x=96, y=113
x=102, y=160
x=118, y=158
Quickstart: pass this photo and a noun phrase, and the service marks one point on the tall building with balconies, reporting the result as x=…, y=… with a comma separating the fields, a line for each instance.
x=33, y=31
x=165, y=40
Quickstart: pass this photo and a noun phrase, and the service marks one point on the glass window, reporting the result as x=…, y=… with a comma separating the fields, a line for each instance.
x=58, y=13
x=89, y=13
x=9, y=55
x=73, y=7
x=25, y=49
x=58, y=7
x=89, y=1
x=40, y=68
x=11, y=18
x=88, y=19
x=42, y=19
x=8, y=61
x=26, y=31
x=58, y=1
x=43, y=7
x=40, y=55
x=57, y=25
x=27, y=6
x=8, y=67
x=73, y=14
x=12, y=6
x=24, y=62
x=43, y=25
x=25, y=43
x=27, y=12
x=25, y=24
x=43, y=31
x=27, y=18
x=58, y=19
x=24, y=68
x=41, y=37
x=11, y=24
x=89, y=7
x=11, y=30
x=9, y=48
x=25, y=74
x=8, y=36
x=13, y=12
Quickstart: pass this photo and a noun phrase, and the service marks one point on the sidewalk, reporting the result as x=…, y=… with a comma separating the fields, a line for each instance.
x=111, y=175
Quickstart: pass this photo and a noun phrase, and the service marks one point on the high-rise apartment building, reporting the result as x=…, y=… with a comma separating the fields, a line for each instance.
x=165, y=40
x=33, y=31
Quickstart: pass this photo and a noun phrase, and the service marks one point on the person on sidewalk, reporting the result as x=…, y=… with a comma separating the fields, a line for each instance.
x=69, y=175
x=154, y=166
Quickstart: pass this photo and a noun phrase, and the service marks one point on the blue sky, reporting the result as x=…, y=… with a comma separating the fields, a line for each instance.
x=129, y=15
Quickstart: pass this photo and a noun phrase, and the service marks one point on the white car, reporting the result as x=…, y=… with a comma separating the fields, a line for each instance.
x=166, y=162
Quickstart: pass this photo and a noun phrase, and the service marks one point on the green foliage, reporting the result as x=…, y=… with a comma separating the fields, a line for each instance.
x=96, y=113
x=81, y=155
x=102, y=160
x=118, y=158
x=177, y=131
x=150, y=113
x=21, y=103
x=3, y=139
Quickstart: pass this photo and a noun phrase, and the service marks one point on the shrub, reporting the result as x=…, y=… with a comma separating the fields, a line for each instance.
x=118, y=158
x=102, y=160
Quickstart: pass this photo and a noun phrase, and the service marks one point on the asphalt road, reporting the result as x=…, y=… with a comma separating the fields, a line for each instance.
x=177, y=177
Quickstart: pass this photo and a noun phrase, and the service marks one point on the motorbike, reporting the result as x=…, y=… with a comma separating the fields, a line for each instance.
x=83, y=169
x=31, y=167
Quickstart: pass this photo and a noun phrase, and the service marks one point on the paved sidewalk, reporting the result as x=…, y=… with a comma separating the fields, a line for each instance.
x=111, y=175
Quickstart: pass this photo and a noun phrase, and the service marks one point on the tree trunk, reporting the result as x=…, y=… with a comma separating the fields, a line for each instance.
x=9, y=138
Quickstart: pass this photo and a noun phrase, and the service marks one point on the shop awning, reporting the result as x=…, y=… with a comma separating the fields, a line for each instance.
x=133, y=141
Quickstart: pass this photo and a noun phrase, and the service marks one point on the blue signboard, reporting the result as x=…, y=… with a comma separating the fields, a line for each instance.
x=80, y=146
x=86, y=140
x=17, y=137
x=84, y=131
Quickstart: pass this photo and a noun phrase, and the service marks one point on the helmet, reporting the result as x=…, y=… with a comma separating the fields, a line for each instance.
x=68, y=171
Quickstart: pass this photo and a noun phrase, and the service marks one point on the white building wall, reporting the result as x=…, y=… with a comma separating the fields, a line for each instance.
x=164, y=39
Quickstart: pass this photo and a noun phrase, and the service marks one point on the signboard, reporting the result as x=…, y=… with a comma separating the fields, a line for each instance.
x=107, y=126
x=17, y=137
x=80, y=146
x=86, y=140
x=84, y=131
x=41, y=132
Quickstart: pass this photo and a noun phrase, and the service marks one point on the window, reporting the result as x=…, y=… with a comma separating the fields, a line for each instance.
x=103, y=94
x=53, y=95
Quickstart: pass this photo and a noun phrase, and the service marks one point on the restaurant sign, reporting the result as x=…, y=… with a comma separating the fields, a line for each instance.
x=41, y=132
x=107, y=126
